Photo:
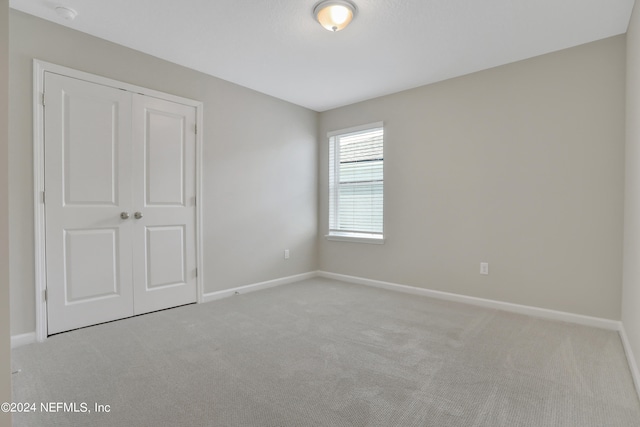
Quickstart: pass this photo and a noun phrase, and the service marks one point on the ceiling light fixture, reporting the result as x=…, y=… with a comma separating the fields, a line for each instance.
x=66, y=13
x=335, y=15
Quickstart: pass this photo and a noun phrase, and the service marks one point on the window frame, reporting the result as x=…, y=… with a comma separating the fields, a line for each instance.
x=333, y=138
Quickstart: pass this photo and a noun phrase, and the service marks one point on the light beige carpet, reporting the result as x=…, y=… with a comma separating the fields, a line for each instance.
x=325, y=353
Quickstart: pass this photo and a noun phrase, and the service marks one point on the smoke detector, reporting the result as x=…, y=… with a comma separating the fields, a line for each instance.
x=66, y=12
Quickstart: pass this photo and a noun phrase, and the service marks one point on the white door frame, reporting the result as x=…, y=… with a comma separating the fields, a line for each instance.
x=39, y=69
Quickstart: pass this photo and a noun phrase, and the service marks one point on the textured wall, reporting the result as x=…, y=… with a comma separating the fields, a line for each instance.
x=521, y=166
x=259, y=161
x=631, y=287
x=5, y=366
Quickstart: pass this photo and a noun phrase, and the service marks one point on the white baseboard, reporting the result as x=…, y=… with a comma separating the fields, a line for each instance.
x=23, y=339
x=633, y=367
x=213, y=296
x=597, y=322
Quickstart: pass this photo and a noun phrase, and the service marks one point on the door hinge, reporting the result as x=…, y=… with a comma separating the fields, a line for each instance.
x=196, y=128
x=196, y=272
x=45, y=294
x=43, y=199
x=43, y=99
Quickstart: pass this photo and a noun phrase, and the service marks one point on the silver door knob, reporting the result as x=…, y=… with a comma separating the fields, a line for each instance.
x=124, y=215
x=138, y=215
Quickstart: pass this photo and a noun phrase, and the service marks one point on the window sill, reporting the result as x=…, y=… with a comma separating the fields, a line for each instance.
x=355, y=238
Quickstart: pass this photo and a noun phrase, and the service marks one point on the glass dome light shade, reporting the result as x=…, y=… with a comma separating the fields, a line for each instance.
x=334, y=15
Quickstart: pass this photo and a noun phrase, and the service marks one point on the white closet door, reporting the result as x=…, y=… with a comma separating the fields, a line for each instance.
x=87, y=185
x=164, y=260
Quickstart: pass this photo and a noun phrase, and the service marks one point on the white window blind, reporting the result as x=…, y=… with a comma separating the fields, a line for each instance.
x=356, y=183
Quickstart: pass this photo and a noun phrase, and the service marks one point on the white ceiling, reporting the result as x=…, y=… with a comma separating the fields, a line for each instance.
x=276, y=47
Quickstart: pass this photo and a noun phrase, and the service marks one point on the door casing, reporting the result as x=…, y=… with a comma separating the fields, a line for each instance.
x=39, y=69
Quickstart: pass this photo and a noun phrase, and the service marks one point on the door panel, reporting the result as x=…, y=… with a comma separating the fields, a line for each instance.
x=90, y=167
x=166, y=257
x=164, y=191
x=97, y=249
x=165, y=151
x=87, y=186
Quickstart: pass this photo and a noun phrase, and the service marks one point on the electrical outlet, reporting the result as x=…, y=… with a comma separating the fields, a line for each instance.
x=286, y=254
x=484, y=268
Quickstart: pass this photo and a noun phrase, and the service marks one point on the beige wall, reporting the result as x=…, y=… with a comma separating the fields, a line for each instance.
x=260, y=162
x=631, y=287
x=520, y=166
x=5, y=366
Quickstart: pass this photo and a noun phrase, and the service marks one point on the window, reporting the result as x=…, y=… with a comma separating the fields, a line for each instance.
x=356, y=184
